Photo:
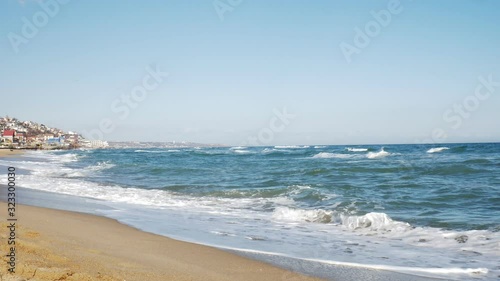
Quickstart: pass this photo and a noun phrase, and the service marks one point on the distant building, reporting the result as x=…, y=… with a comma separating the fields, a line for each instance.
x=32, y=139
x=94, y=143
x=47, y=136
x=8, y=135
x=55, y=141
x=71, y=137
x=21, y=137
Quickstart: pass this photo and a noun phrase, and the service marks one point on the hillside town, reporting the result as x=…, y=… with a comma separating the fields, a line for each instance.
x=31, y=135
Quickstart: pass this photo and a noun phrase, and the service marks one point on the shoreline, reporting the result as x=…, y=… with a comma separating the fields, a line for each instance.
x=59, y=208
x=54, y=202
x=54, y=244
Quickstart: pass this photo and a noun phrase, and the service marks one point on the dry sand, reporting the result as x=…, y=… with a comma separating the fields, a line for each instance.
x=61, y=245
x=8, y=152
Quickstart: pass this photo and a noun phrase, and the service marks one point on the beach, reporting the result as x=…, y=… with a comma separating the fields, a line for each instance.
x=121, y=214
x=8, y=152
x=62, y=245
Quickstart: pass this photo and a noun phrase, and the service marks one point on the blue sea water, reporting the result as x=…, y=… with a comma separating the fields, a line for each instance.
x=430, y=210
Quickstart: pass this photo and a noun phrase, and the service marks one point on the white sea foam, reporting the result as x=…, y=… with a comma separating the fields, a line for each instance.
x=268, y=150
x=371, y=221
x=274, y=150
x=423, y=271
x=237, y=147
x=332, y=155
x=290, y=146
x=299, y=215
x=437, y=149
x=242, y=151
x=419, y=271
x=101, y=166
x=376, y=233
x=55, y=158
x=222, y=233
x=320, y=146
x=355, y=149
x=375, y=155
x=374, y=222
x=54, y=176
x=149, y=151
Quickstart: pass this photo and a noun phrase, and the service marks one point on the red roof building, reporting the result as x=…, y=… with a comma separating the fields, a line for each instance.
x=9, y=133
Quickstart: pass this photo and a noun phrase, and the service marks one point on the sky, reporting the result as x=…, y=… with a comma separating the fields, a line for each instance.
x=260, y=72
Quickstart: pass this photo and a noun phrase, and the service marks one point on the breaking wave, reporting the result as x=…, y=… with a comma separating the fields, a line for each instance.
x=354, y=149
x=332, y=155
x=372, y=221
x=375, y=155
x=437, y=149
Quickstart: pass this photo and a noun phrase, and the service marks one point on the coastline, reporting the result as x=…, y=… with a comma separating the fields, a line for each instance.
x=54, y=244
x=49, y=200
x=62, y=235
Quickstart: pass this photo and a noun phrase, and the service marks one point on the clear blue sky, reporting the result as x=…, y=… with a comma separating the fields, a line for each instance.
x=227, y=75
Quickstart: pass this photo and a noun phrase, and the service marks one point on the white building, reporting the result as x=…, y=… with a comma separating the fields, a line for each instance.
x=94, y=143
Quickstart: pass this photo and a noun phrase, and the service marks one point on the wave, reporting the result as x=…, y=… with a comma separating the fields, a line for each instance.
x=88, y=171
x=374, y=221
x=320, y=146
x=222, y=233
x=375, y=155
x=149, y=151
x=55, y=156
x=299, y=215
x=290, y=146
x=437, y=149
x=209, y=152
x=332, y=155
x=355, y=149
x=237, y=147
x=268, y=150
x=101, y=166
x=242, y=151
x=375, y=232
x=282, y=151
x=371, y=221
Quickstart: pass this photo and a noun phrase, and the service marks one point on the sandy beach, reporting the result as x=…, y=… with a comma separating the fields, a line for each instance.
x=60, y=245
x=8, y=152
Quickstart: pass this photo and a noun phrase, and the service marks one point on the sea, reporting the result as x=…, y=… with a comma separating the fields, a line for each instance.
x=423, y=210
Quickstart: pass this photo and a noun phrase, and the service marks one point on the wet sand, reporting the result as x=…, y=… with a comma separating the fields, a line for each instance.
x=61, y=245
